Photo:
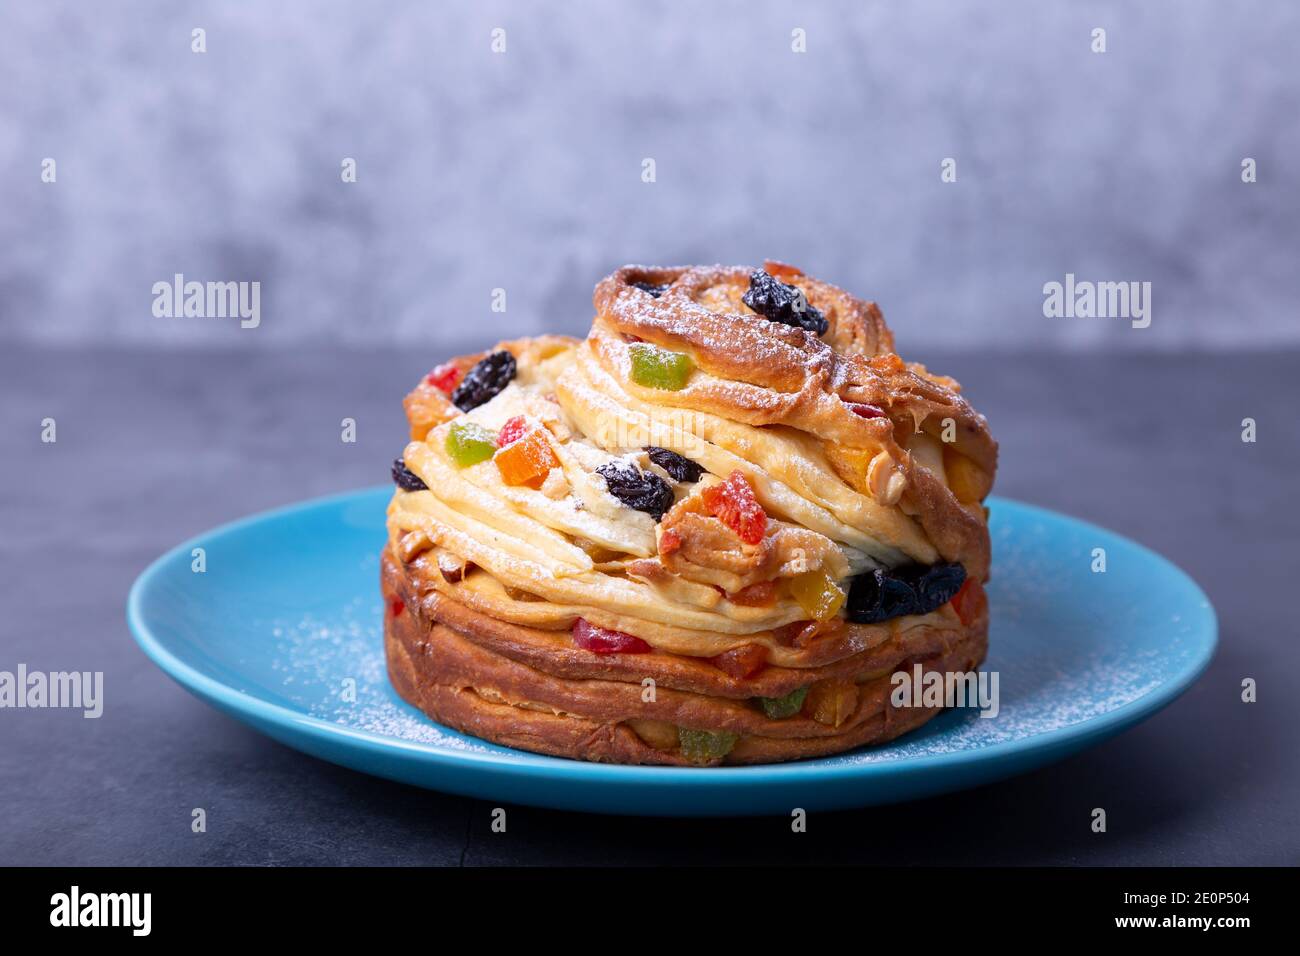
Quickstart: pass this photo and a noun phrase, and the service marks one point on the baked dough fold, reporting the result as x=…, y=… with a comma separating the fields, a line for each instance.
x=762, y=469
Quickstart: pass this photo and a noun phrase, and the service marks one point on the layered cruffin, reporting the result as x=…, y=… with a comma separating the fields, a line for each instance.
x=709, y=533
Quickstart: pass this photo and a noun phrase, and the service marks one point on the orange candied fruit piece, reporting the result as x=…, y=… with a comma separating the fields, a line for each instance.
x=743, y=661
x=734, y=504
x=756, y=595
x=527, y=461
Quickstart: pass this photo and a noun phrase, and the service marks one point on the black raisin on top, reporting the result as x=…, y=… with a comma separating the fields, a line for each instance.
x=484, y=381
x=682, y=469
x=880, y=595
x=649, y=287
x=640, y=490
x=778, y=302
x=406, y=479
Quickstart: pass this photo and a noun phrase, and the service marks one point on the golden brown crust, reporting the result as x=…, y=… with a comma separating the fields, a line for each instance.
x=842, y=648
x=765, y=373
x=852, y=458
x=458, y=667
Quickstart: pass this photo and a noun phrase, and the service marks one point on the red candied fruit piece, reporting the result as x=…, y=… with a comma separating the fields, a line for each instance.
x=734, y=504
x=396, y=606
x=600, y=640
x=669, y=542
x=969, y=601
x=743, y=661
x=512, y=431
x=865, y=410
x=444, y=378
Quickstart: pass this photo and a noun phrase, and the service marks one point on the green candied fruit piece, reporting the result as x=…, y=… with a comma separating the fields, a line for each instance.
x=468, y=444
x=654, y=367
x=702, y=745
x=779, y=708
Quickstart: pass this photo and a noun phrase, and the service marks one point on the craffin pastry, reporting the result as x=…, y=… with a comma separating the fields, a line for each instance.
x=709, y=533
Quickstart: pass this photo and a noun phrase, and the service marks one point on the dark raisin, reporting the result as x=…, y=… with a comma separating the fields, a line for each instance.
x=866, y=595
x=406, y=479
x=637, y=489
x=913, y=589
x=778, y=302
x=877, y=596
x=484, y=381
x=682, y=469
x=937, y=585
x=649, y=287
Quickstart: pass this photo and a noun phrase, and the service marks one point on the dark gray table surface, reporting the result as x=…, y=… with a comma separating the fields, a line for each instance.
x=154, y=447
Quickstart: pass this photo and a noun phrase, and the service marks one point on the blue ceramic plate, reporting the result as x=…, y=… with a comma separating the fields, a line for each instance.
x=287, y=615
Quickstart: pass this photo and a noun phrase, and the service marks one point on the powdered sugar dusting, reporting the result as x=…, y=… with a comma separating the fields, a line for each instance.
x=1031, y=705
x=317, y=656
x=1055, y=670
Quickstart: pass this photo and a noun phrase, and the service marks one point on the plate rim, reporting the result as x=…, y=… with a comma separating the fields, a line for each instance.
x=526, y=764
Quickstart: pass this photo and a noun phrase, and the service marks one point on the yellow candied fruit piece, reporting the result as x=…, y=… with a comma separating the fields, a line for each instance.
x=832, y=701
x=819, y=596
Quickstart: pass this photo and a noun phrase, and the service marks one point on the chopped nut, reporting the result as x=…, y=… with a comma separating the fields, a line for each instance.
x=885, y=480
x=556, y=486
x=451, y=567
x=557, y=428
x=413, y=543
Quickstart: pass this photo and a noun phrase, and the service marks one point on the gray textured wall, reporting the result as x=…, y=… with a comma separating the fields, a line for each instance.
x=522, y=170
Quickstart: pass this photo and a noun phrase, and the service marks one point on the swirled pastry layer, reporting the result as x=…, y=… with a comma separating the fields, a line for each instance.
x=858, y=462
x=531, y=688
x=710, y=532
